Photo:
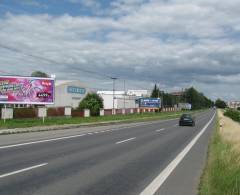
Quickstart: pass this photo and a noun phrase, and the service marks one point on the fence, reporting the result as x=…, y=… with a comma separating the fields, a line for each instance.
x=21, y=113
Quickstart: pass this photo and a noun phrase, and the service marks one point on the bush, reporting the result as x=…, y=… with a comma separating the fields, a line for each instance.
x=93, y=102
x=233, y=114
x=25, y=113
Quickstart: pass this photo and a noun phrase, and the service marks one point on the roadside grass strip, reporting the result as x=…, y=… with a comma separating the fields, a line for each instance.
x=222, y=172
x=59, y=121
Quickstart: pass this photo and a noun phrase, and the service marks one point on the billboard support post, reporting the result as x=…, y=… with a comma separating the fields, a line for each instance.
x=43, y=119
x=5, y=111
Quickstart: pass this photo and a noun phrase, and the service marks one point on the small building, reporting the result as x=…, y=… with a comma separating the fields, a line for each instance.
x=184, y=106
x=69, y=93
x=234, y=104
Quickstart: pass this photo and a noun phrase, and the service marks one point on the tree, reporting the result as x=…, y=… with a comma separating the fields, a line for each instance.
x=197, y=99
x=93, y=102
x=220, y=103
x=39, y=74
x=155, y=92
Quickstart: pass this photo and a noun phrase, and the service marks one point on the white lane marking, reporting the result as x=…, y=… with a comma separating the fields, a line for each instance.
x=175, y=125
x=23, y=170
x=160, y=130
x=41, y=141
x=90, y=133
x=160, y=179
x=126, y=140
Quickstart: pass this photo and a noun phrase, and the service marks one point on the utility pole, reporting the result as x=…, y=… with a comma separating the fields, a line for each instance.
x=113, y=78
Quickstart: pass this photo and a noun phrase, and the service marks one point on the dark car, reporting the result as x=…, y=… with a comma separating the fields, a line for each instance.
x=187, y=120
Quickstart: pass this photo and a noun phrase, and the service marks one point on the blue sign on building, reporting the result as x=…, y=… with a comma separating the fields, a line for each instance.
x=78, y=90
x=150, y=102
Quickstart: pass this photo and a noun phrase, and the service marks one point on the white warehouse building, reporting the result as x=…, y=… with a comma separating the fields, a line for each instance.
x=121, y=99
x=69, y=93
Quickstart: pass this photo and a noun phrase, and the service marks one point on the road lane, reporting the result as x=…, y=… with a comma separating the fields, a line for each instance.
x=94, y=164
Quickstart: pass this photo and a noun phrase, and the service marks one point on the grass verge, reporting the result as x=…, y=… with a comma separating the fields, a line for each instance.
x=222, y=173
x=22, y=123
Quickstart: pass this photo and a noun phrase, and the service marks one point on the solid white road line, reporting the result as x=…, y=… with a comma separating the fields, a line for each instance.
x=160, y=179
x=126, y=140
x=41, y=141
x=160, y=130
x=23, y=170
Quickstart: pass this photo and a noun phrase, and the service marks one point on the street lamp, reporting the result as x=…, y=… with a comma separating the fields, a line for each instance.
x=113, y=78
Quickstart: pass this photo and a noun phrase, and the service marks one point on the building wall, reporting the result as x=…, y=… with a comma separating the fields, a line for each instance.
x=118, y=101
x=65, y=98
x=129, y=103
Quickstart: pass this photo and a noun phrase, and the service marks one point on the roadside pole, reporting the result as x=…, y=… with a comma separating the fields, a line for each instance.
x=5, y=111
x=43, y=118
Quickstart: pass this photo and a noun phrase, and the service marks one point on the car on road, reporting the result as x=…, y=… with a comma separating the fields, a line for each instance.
x=187, y=120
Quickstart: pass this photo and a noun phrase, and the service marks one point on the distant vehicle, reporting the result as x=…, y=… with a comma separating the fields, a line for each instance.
x=187, y=120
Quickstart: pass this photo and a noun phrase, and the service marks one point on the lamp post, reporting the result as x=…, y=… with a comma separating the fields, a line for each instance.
x=113, y=78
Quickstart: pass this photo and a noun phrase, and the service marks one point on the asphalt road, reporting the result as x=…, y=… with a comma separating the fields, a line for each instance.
x=143, y=158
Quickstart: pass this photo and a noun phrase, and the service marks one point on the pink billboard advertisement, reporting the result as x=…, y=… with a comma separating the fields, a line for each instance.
x=26, y=90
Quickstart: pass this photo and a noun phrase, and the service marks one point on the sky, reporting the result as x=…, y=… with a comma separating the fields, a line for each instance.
x=174, y=43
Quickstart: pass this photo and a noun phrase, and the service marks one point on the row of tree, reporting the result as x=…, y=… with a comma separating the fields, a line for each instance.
x=196, y=99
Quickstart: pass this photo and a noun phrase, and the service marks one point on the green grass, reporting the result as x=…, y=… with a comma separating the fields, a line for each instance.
x=21, y=123
x=222, y=173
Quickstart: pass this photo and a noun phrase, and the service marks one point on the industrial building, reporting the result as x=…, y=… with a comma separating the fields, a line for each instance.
x=69, y=93
x=122, y=99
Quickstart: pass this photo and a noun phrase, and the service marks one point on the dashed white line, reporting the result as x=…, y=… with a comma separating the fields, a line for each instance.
x=160, y=130
x=160, y=179
x=22, y=170
x=126, y=140
x=41, y=141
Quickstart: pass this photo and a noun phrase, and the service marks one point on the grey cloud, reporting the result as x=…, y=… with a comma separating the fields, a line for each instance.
x=176, y=43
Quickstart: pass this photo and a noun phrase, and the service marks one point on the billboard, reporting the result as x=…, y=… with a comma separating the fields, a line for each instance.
x=26, y=90
x=150, y=102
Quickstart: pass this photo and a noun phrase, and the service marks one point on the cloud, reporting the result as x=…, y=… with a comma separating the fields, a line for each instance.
x=175, y=43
